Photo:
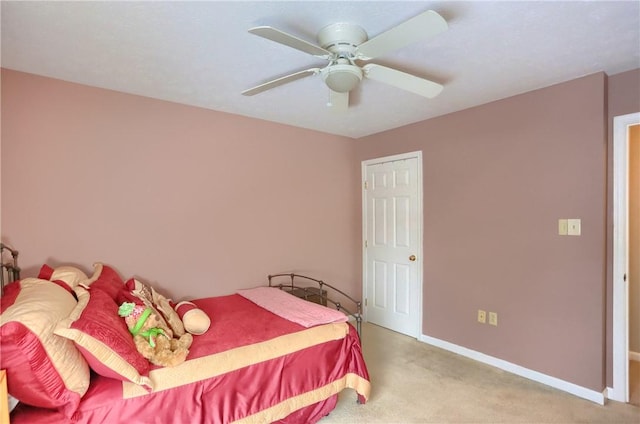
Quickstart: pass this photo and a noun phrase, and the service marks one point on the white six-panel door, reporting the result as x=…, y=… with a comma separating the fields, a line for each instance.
x=391, y=236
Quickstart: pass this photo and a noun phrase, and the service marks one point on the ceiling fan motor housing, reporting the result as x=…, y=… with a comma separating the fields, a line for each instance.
x=341, y=38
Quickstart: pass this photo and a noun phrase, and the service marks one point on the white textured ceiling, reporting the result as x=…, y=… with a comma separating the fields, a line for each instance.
x=200, y=53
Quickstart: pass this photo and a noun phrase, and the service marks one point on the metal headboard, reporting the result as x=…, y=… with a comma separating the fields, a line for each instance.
x=10, y=271
x=323, y=293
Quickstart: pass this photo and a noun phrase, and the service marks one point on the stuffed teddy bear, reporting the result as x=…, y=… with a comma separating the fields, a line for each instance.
x=152, y=337
x=137, y=291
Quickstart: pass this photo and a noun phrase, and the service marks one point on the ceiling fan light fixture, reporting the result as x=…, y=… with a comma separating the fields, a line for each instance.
x=342, y=78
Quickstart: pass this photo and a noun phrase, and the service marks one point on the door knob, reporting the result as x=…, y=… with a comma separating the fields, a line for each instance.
x=412, y=258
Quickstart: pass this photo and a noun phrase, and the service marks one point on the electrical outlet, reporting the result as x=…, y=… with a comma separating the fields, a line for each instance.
x=573, y=228
x=482, y=316
x=493, y=318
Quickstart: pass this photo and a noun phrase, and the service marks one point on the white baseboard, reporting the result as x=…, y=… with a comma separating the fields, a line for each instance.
x=634, y=356
x=574, y=389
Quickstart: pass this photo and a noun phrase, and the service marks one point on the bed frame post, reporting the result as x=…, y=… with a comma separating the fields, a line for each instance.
x=12, y=269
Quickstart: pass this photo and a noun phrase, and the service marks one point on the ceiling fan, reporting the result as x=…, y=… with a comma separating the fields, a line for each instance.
x=345, y=44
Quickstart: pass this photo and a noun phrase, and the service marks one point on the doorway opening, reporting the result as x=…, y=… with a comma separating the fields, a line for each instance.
x=621, y=124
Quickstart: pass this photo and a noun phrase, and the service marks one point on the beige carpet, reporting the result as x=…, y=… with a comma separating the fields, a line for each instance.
x=413, y=382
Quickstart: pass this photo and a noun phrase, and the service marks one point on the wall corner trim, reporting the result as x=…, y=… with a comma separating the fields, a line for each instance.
x=608, y=392
x=574, y=389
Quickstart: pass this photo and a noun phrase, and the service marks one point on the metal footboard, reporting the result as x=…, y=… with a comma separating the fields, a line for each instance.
x=322, y=293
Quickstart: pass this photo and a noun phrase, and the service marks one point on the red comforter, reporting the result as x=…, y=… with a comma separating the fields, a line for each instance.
x=250, y=367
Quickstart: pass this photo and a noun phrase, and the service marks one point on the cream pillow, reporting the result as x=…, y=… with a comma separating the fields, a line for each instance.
x=43, y=369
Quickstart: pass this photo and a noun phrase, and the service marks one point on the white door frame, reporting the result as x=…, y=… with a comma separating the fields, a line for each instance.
x=620, y=389
x=420, y=261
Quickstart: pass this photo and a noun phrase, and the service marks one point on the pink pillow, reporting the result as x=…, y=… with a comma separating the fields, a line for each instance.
x=106, y=279
x=43, y=370
x=103, y=337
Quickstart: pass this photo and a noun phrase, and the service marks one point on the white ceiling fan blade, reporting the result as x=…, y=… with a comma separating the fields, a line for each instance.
x=423, y=26
x=280, y=81
x=338, y=102
x=402, y=80
x=289, y=40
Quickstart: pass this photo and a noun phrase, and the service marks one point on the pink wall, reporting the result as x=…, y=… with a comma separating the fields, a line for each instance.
x=624, y=98
x=198, y=202
x=496, y=180
x=184, y=197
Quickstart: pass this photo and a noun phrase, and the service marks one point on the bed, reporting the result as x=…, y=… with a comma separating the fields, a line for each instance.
x=251, y=365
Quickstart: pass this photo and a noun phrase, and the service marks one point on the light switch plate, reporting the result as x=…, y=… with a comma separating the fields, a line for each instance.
x=574, y=227
x=563, y=227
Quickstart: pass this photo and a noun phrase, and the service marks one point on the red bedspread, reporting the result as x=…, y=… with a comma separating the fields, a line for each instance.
x=250, y=367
